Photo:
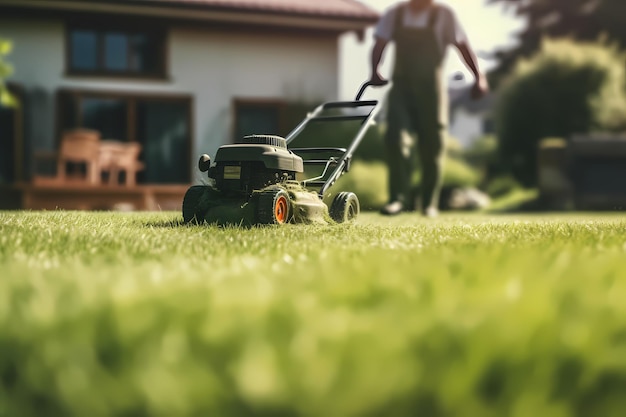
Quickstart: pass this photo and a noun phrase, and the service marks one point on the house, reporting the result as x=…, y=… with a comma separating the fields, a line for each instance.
x=469, y=119
x=178, y=77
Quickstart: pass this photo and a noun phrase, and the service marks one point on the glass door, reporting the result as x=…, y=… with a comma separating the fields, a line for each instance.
x=164, y=133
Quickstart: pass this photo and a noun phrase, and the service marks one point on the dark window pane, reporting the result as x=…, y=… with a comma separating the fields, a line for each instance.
x=257, y=119
x=84, y=50
x=7, y=145
x=116, y=51
x=67, y=111
x=108, y=116
x=163, y=131
x=146, y=53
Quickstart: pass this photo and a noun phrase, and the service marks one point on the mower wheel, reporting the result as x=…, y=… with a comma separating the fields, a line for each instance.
x=345, y=207
x=273, y=207
x=190, y=203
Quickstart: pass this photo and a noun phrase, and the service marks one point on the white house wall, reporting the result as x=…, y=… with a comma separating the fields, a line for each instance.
x=223, y=66
x=466, y=127
x=211, y=66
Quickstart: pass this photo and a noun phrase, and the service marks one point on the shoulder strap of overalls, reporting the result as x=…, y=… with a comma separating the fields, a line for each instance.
x=399, y=20
x=434, y=16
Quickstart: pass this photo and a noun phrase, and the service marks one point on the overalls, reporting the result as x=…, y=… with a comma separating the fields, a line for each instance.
x=416, y=106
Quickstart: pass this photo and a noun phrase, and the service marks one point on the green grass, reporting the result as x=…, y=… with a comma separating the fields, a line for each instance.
x=111, y=314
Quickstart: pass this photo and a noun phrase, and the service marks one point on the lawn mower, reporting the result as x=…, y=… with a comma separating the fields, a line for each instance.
x=262, y=179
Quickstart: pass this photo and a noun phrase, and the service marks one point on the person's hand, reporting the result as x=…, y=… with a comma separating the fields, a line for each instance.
x=480, y=88
x=377, y=80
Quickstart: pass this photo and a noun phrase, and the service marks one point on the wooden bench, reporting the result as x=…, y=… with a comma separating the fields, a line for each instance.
x=117, y=157
x=84, y=158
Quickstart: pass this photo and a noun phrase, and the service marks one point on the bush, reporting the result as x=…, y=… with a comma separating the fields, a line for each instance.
x=501, y=186
x=483, y=154
x=368, y=180
x=6, y=99
x=566, y=88
x=457, y=173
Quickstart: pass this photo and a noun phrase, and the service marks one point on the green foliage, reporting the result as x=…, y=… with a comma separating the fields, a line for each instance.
x=501, y=186
x=134, y=315
x=6, y=99
x=458, y=169
x=566, y=88
x=483, y=152
x=368, y=180
x=516, y=200
x=457, y=173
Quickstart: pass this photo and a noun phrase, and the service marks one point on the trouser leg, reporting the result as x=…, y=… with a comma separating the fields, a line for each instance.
x=430, y=145
x=428, y=116
x=398, y=147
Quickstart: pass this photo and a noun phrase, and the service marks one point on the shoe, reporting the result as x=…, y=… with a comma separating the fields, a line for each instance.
x=430, y=212
x=393, y=208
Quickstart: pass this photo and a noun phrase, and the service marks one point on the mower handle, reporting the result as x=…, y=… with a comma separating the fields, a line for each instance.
x=368, y=84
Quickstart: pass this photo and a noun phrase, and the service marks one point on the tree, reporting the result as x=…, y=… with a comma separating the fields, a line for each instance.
x=566, y=88
x=6, y=99
x=583, y=20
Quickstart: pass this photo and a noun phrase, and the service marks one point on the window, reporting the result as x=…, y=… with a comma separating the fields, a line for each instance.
x=12, y=160
x=106, y=115
x=116, y=52
x=161, y=124
x=163, y=131
x=7, y=144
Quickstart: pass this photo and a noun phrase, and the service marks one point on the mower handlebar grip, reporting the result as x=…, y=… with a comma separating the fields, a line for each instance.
x=364, y=87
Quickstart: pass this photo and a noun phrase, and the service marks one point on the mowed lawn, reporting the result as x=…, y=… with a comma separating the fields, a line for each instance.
x=135, y=314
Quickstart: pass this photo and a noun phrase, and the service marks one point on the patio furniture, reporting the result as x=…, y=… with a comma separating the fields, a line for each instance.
x=84, y=158
x=76, y=160
x=115, y=158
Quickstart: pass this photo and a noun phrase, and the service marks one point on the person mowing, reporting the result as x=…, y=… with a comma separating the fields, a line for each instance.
x=422, y=30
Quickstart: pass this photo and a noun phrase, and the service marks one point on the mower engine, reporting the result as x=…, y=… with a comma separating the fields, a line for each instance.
x=253, y=163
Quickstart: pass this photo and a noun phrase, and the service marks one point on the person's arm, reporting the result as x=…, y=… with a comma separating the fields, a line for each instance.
x=377, y=54
x=454, y=34
x=481, y=86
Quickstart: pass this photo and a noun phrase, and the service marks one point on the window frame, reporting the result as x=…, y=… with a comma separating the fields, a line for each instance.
x=159, y=34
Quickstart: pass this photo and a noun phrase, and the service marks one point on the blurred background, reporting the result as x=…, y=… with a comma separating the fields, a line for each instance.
x=107, y=105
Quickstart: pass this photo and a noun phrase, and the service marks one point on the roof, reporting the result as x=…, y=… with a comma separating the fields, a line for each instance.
x=327, y=15
x=329, y=8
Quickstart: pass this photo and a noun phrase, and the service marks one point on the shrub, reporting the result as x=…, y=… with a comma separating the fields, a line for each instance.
x=483, y=153
x=6, y=99
x=458, y=173
x=368, y=180
x=501, y=186
x=566, y=88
